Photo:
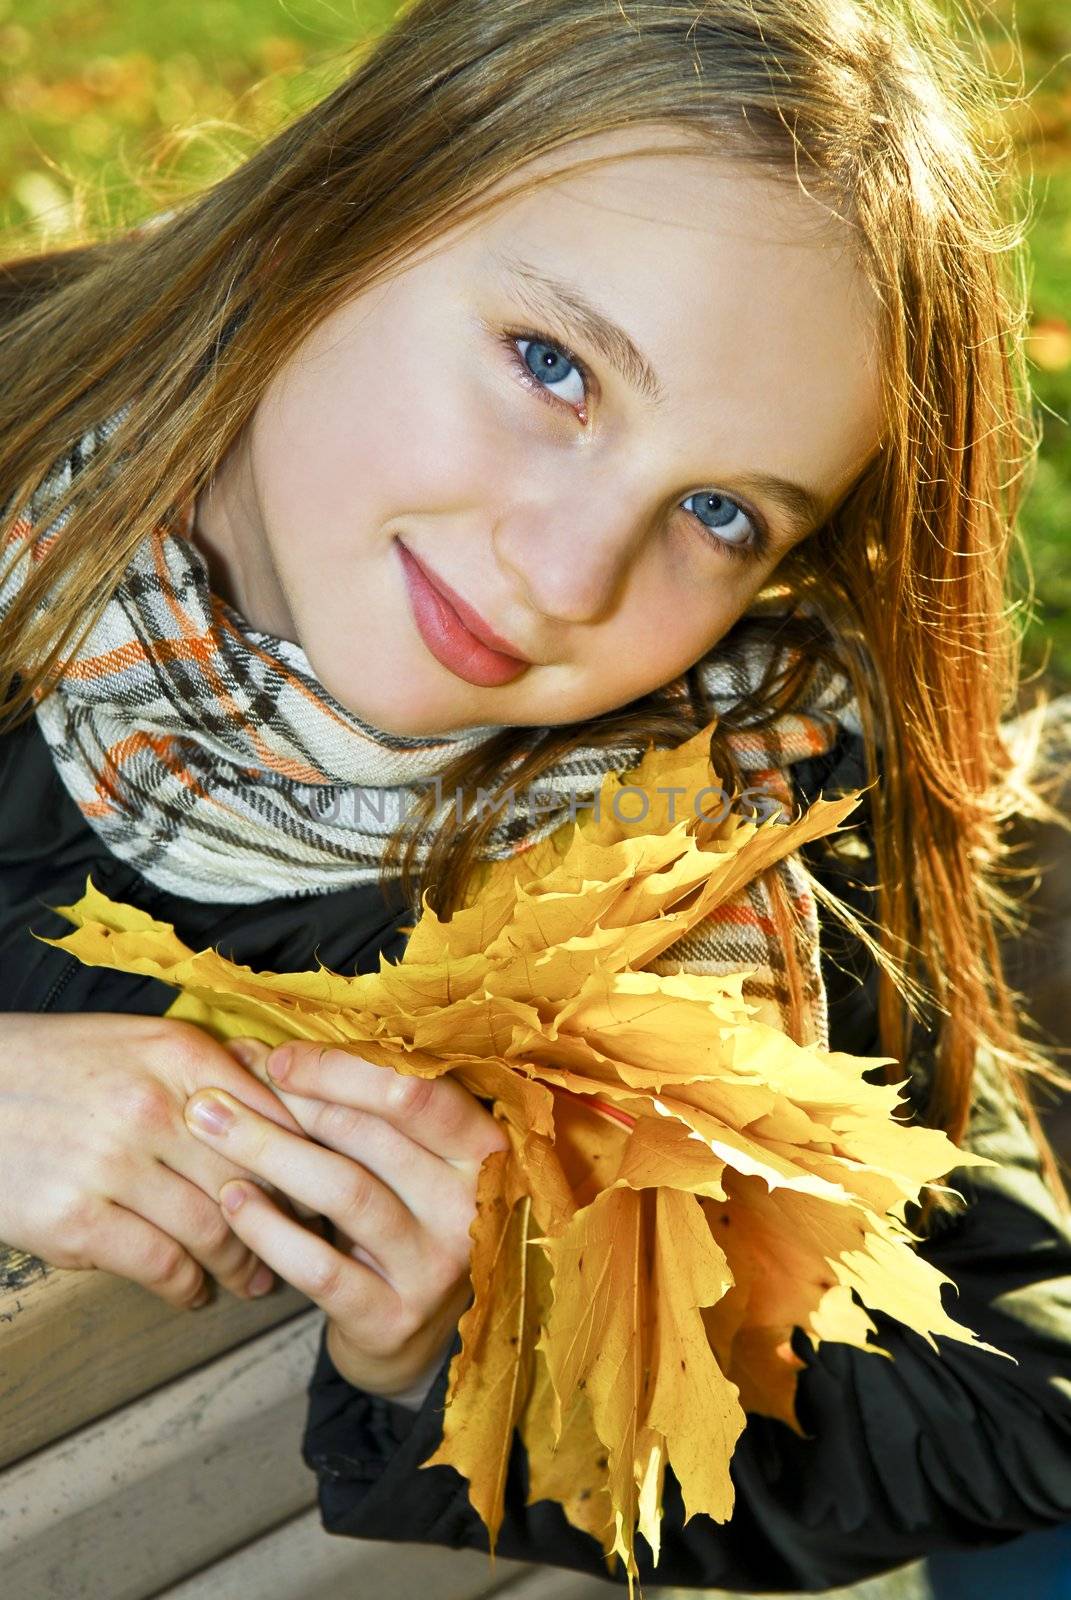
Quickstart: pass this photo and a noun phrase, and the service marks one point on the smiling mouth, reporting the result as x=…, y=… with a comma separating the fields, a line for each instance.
x=470, y=618
x=455, y=634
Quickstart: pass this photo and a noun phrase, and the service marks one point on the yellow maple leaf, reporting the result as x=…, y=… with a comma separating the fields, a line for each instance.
x=597, y=1332
x=685, y=1185
x=498, y=1333
x=692, y=1404
x=567, y=1460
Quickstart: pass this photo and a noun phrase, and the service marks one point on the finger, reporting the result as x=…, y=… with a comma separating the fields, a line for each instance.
x=182, y=1210
x=440, y=1194
x=357, y=1296
x=209, y=1064
x=133, y=1248
x=253, y=1054
x=438, y=1113
x=293, y=1208
x=334, y=1186
x=192, y=1159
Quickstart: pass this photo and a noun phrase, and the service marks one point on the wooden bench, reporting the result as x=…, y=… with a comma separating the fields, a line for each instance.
x=147, y=1452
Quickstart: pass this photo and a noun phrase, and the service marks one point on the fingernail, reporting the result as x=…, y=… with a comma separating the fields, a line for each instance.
x=261, y=1281
x=279, y=1063
x=210, y=1113
x=202, y=1299
x=248, y=1051
x=232, y=1196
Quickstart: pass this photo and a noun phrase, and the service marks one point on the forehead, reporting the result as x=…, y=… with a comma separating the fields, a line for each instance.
x=653, y=177
x=746, y=293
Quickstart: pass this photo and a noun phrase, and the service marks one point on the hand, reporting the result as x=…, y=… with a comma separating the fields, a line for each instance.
x=392, y=1161
x=97, y=1166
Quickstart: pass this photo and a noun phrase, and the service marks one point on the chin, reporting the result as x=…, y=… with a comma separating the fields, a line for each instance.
x=404, y=716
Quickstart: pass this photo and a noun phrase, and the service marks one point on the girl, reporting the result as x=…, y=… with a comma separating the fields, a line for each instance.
x=571, y=373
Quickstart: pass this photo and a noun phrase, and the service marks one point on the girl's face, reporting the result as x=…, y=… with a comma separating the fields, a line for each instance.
x=569, y=415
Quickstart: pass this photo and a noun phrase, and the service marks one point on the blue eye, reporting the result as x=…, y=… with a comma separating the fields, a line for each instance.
x=723, y=513
x=550, y=365
x=544, y=364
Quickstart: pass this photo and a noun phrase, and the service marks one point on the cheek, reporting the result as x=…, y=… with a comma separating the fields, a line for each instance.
x=660, y=632
x=682, y=600
x=352, y=445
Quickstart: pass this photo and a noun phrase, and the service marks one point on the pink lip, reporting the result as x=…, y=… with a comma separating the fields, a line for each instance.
x=456, y=635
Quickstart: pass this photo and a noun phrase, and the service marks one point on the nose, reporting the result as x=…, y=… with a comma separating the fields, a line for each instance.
x=571, y=557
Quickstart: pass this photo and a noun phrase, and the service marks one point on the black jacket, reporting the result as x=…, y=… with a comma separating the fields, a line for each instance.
x=923, y=1453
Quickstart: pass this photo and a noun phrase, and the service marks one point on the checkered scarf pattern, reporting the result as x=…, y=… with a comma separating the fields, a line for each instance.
x=208, y=756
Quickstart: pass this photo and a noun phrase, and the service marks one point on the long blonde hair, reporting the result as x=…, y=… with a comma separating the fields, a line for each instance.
x=884, y=116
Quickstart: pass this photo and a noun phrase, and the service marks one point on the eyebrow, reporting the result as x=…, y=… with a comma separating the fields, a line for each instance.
x=803, y=508
x=573, y=309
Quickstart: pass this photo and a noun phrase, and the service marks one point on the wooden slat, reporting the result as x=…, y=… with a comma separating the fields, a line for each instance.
x=199, y=1490
x=554, y=1583
x=162, y=1487
x=299, y=1561
x=74, y=1345
x=905, y=1583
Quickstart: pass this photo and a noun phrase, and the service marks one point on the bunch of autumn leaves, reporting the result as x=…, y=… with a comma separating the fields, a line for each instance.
x=684, y=1184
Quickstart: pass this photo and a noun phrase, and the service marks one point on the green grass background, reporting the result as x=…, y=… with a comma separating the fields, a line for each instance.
x=107, y=109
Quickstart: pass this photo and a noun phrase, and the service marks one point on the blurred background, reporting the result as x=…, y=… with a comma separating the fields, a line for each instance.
x=110, y=109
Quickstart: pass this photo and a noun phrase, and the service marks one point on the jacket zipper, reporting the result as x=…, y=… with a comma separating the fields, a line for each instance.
x=58, y=986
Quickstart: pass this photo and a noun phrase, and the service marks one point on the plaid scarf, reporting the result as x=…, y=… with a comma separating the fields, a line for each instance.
x=209, y=756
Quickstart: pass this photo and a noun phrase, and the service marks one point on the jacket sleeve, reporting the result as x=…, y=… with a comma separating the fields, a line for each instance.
x=922, y=1453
